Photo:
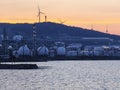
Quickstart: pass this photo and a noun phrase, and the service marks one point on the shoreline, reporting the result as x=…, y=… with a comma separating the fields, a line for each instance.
x=61, y=58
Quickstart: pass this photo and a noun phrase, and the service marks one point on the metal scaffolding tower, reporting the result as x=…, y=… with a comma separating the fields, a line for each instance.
x=34, y=40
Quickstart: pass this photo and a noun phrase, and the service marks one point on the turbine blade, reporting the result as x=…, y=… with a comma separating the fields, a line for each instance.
x=64, y=21
x=38, y=8
x=59, y=20
x=42, y=13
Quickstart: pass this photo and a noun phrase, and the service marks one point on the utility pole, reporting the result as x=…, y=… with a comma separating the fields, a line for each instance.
x=4, y=41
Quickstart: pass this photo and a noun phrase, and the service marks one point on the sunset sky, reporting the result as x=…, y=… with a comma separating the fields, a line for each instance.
x=81, y=13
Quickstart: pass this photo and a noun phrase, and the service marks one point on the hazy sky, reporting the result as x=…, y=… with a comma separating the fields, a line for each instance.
x=81, y=13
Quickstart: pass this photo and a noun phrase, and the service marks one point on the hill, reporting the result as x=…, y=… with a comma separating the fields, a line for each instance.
x=52, y=30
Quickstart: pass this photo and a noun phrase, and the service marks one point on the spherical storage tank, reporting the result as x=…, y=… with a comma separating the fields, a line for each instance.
x=61, y=51
x=43, y=50
x=24, y=50
x=17, y=38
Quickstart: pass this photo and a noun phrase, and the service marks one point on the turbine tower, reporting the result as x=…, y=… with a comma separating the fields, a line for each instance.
x=106, y=29
x=92, y=28
x=39, y=13
x=45, y=18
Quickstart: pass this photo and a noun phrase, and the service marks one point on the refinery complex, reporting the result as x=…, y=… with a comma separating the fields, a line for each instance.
x=22, y=49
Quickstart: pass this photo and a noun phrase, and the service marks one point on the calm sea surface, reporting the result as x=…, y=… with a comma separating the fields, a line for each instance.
x=64, y=75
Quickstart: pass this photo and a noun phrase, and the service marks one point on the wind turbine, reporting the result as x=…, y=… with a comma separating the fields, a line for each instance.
x=92, y=27
x=106, y=29
x=61, y=22
x=39, y=13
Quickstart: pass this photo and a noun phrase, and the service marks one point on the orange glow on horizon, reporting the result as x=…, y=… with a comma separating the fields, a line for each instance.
x=81, y=13
x=99, y=25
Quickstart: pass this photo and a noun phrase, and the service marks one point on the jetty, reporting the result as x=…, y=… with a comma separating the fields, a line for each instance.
x=18, y=66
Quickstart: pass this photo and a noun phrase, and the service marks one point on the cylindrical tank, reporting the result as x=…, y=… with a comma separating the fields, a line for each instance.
x=17, y=38
x=24, y=51
x=10, y=47
x=43, y=50
x=98, y=51
x=61, y=51
x=72, y=53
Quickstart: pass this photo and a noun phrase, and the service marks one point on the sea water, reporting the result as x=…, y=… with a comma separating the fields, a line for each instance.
x=64, y=75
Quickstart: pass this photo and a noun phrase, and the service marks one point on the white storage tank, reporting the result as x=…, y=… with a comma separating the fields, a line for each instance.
x=86, y=53
x=61, y=51
x=88, y=48
x=72, y=53
x=17, y=38
x=98, y=51
x=52, y=53
x=73, y=49
x=10, y=48
x=43, y=50
x=24, y=50
x=0, y=45
x=107, y=50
